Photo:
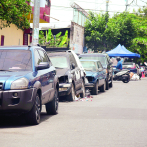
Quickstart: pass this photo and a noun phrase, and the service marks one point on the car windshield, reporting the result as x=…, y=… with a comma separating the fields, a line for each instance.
x=15, y=60
x=59, y=61
x=89, y=65
x=101, y=59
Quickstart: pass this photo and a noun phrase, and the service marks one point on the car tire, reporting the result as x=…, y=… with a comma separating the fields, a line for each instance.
x=111, y=84
x=82, y=95
x=103, y=87
x=95, y=89
x=71, y=96
x=33, y=117
x=52, y=107
x=107, y=85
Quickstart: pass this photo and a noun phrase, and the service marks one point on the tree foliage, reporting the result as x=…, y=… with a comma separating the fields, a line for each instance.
x=50, y=40
x=15, y=12
x=130, y=30
x=95, y=27
x=139, y=43
x=121, y=29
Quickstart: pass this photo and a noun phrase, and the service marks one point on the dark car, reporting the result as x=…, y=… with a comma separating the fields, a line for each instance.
x=106, y=63
x=71, y=79
x=95, y=75
x=27, y=81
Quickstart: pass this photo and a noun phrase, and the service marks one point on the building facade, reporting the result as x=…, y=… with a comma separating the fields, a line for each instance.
x=14, y=36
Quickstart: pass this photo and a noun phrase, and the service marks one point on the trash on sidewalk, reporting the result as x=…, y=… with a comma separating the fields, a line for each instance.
x=131, y=74
x=87, y=97
x=135, y=77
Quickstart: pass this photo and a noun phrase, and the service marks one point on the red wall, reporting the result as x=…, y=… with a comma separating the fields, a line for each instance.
x=43, y=11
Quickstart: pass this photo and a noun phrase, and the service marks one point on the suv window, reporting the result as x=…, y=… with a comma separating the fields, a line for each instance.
x=108, y=58
x=100, y=65
x=97, y=64
x=43, y=55
x=16, y=60
x=72, y=59
x=37, y=58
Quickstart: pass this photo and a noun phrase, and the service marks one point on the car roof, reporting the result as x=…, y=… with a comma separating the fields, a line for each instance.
x=23, y=47
x=50, y=54
x=93, y=54
x=89, y=60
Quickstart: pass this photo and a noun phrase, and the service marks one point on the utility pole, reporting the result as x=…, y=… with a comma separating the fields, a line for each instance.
x=126, y=4
x=107, y=4
x=36, y=18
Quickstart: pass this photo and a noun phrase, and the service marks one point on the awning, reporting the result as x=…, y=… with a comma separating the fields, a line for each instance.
x=121, y=51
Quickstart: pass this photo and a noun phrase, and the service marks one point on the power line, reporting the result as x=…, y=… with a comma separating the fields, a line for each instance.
x=80, y=8
x=109, y=11
x=104, y=3
x=143, y=1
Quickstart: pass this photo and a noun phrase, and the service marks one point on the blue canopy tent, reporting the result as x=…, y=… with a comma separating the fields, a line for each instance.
x=121, y=51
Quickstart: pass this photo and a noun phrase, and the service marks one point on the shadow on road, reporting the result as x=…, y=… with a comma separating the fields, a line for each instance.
x=18, y=122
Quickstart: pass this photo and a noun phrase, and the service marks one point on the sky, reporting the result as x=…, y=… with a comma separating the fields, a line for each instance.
x=61, y=9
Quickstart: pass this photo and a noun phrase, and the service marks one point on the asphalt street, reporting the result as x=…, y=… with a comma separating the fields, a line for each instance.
x=115, y=118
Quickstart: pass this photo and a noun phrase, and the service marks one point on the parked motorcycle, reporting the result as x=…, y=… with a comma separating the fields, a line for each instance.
x=121, y=75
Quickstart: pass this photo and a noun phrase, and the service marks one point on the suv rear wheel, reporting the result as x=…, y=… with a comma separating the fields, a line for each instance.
x=111, y=84
x=107, y=85
x=103, y=88
x=33, y=117
x=95, y=89
x=71, y=96
x=82, y=95
x=52, y=107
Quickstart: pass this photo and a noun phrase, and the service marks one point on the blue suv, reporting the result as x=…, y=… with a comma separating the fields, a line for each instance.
x=27, y=81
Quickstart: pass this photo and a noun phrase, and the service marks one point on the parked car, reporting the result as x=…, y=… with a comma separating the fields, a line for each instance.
x=71, y=77
x=83, y=73
x=27, y=81
x=95, y=75
x=106, y=63
x=145, y=71
x=130, y=66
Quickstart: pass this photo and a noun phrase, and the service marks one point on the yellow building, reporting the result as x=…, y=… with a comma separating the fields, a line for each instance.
x=14, y=36
x=11, y=36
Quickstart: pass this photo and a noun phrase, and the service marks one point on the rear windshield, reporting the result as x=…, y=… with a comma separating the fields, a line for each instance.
x=103, y=60
x=15, y=60
x=59, y=61
x=89, y=65
x=128, y=65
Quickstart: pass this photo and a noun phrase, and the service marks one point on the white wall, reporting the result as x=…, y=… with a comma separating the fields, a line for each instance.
x=42, y=3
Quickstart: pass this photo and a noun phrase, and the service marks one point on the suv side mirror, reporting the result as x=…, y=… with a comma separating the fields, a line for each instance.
x=73, y=66
x=110, y=63
x=42, y=65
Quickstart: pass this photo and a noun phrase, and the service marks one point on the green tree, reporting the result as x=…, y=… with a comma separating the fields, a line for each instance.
x=139, y=43
x=15, y=12
x=122, y=29
x=130, y=30
x=95, y=27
